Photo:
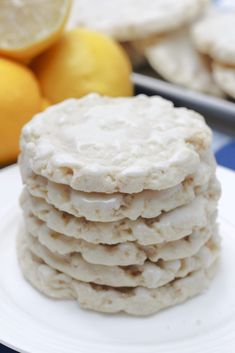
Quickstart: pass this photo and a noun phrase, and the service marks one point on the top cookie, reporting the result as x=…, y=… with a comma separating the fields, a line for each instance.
x=101, y=144
x=215, y=36
x=134, y=19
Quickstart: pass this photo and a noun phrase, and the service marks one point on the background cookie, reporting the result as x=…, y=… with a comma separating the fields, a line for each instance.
x=134, y=19
x=224, y=76
x=175, y=58
x=215, y=36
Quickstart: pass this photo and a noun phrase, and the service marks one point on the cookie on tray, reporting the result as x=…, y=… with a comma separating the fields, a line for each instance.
x=175, y=58
x=224, y=76
x=127, y=20
x=214, y=35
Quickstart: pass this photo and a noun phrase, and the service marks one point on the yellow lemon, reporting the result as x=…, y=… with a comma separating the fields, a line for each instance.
x=29, y=27
x=20, y=99
x=83, y=61
x=45, y=103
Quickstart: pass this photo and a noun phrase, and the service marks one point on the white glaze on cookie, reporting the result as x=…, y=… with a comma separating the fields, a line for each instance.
x=101, y=144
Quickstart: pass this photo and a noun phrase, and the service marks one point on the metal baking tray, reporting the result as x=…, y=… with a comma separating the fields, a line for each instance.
x=218, y=112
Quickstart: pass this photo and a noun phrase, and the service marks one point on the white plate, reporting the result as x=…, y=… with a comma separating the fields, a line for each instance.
x=30, y=322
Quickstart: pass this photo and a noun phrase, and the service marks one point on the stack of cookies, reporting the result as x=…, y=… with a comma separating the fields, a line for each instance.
x=119, y=203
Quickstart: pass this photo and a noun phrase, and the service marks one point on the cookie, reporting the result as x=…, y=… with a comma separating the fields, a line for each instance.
x=126, y=20
x=214, y=35
x=149, y=275
x=135, y=301
x=224, y=76
x=101, y=144
x=112, y=207
x=124, y=254
x=175, y=58
x=170, y=226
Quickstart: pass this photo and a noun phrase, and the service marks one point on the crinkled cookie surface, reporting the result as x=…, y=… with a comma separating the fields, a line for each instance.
x=101, y=144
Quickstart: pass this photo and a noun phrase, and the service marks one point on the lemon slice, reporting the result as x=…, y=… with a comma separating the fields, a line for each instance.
x=29, y=27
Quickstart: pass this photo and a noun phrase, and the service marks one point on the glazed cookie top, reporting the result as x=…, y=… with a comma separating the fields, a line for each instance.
x=101, y=144
x=215, y=35
x=132, y=19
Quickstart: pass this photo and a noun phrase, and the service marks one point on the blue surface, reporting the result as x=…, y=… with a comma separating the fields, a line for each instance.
x=226, y=156
x=224, y=149
x=4, y=349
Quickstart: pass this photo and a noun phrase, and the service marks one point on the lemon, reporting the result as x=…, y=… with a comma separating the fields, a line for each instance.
x=83, y=61
x=45, y=103
x=29, y=27
x=20, y=99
